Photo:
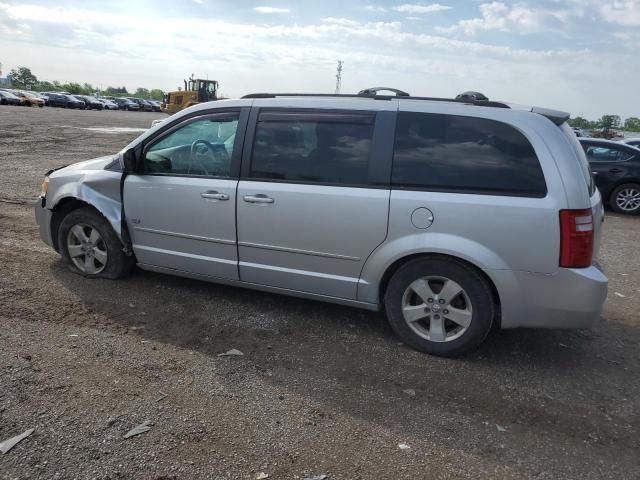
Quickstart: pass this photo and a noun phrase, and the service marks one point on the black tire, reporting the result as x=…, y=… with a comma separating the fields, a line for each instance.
x=620, y=189
x=118, y=265
x=3, y=102
x=476, y=288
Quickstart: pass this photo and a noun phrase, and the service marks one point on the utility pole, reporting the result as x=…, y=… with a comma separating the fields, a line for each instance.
x=339, y=77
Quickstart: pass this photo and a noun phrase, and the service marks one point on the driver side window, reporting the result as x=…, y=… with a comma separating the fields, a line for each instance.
x=202, y=147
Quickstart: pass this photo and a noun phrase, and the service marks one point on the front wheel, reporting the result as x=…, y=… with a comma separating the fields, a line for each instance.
x=440, y=306
x=626, y=199
x=91, y=247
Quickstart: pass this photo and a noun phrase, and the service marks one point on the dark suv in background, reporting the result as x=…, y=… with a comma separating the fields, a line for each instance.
x=142, y=104
x=616, y=171
x=58, y=100
x=90, y=102
x=125, y=103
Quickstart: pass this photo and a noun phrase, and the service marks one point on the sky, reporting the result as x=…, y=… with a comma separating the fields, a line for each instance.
x=581, y=56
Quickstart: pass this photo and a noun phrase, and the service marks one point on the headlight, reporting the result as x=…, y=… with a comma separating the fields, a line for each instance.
x=44, y=187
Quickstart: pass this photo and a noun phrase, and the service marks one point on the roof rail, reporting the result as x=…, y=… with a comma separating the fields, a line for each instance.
x=375, y=90
x=480, y=103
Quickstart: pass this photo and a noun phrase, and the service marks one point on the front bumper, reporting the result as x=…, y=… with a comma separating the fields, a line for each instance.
x=569, y=298
x=43, y=219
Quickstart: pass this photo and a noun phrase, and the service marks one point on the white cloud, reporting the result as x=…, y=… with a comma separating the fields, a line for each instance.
x=341, y=21
x=626, y=13
x=511, y=18
x=416, y=8
x=268, y=10
x=375, y=8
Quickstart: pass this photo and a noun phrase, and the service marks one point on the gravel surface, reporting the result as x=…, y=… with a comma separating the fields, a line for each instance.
x=320, y=390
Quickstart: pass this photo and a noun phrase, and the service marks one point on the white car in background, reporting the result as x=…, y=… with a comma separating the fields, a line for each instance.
x=108, y=104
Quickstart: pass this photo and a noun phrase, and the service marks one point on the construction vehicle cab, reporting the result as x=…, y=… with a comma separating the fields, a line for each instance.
x=196, y=90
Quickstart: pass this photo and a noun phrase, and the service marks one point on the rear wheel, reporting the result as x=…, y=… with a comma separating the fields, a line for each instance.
x=91, y=247
x=626, y=199
x=440, y=306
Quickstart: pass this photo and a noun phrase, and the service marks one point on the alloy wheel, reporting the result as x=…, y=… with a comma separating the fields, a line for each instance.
x=628, y=199
x=437, y=308
x=87, y=249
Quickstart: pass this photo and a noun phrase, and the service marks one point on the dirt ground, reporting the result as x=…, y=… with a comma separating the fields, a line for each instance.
x=320, y=390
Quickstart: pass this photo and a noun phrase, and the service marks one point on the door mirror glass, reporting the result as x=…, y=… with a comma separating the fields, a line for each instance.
x=129, y=161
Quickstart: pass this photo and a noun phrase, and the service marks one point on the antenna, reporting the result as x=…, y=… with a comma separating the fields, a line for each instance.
x=339, y=77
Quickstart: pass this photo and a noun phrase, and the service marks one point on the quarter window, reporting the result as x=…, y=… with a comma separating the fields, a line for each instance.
x=464, y=154
x=597, y=153
x=308, y=148
x=202, y=147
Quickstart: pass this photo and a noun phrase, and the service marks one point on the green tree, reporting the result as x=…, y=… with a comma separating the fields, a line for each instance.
x=632, y=124
x=580, y=122
x=609, y=122
x=141, y=93
x=156, y=94
x=72, y=87
x=44, y=86
x=88, y=89
x=22, y=78
x=116, y=91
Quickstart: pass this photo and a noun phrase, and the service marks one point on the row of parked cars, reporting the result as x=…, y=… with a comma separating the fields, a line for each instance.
x=67, y=100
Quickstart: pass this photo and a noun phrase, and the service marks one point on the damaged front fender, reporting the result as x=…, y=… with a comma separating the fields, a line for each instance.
x=90, y=183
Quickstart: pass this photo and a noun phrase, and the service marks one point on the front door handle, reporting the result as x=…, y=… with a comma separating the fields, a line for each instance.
x=259, y=198
x=213, y=195
x=616, y=170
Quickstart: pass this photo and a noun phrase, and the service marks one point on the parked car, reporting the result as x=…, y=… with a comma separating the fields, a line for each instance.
x=126, y=104
x=616, y=169
x=90, y=102
x=55, y=99
x=453, y=216
x=580, y=132
x=74, y=102
x=155, y=105
x=108, y=104
x=634, y=142
x=29, y=98
x=144, y=106
x=8, y=98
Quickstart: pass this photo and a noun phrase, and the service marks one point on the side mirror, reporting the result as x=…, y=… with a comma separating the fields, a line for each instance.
x=130, y=161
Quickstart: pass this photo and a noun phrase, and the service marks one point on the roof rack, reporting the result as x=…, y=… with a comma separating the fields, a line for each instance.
x=371, y=93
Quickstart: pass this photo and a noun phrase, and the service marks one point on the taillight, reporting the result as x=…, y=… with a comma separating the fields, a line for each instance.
x=576, y=238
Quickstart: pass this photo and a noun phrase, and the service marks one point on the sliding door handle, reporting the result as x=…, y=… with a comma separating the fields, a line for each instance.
x=259, y=198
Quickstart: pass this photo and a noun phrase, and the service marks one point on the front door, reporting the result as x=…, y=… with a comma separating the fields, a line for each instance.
x=310, y=210
x=608, y=164
x=181, y=210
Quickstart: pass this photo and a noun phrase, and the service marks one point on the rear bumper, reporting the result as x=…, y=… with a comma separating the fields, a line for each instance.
x=569, y=298
x=43, y=219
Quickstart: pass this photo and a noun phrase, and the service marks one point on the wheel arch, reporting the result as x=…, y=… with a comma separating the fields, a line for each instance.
x=62, y=208
x=623, y=181
x=398, y=263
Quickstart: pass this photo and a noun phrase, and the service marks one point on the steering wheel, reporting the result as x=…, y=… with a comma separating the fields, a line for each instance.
x=219, y=156
x=194, y=153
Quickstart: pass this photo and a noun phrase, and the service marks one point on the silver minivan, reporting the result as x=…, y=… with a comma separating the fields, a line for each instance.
x=455, y=216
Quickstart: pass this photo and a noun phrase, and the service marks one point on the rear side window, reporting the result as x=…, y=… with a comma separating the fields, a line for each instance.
x=582, y=158
x=599, y=153
x=464, y=154
x=313, y=148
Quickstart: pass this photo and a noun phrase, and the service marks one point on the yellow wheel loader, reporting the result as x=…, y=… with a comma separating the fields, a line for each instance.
x=196, y=90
